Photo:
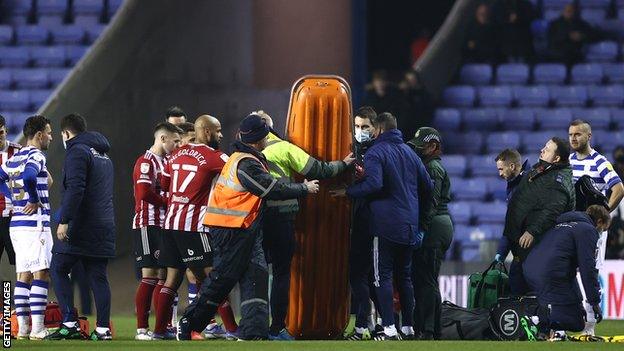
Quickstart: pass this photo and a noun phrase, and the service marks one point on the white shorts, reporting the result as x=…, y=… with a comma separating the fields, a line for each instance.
x=602, y=250
x=33, y=250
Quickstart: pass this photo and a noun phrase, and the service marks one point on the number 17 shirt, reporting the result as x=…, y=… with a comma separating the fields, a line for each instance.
x=189, y=176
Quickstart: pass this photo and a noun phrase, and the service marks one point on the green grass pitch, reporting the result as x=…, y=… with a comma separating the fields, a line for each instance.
x=125, y=329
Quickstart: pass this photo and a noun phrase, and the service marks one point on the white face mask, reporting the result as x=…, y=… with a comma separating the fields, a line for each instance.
x=362, y=136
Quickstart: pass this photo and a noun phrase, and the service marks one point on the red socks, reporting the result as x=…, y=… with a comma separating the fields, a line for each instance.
x=227, y=316
x=143, y=301
x=163, y=309
x=156, y=292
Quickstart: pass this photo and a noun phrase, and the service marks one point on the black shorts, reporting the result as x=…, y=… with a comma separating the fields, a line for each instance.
x=5, y=240
x=185, y=249
x=147, y=242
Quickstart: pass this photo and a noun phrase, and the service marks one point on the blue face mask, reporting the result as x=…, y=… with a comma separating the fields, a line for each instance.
x=362, y=136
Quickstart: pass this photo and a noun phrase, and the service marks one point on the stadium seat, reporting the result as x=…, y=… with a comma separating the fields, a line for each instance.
x=554, y=4
x=617, y=117
x=598, y=137
x=605, y=51
x=614, y=72
x=470, y=254
x=532, y=96
x=455, y=165
x=461, y=233
x=594, y=16
x=14, y=56
x=18, y=11
x=75, y=53
x=475, y=74
x=535, y=141
x=14, y=100
x=587, y=73
x=446, y=119
x=495, y=96
x=463, y=143
x=612, y=141
x=6, y=78
x=56, y=75
x=483, y=165
x=549, y=73
x=468, y=190
x=48, y=56
x=539, y=28
x=517, y=119
x=38, y=97
x=112, y=7
x=570, y=95
x=556, y=118
x=31, y=35
x=51, y=12
x=94, y=32
x=598, y=118
x=460, y=212
x=70, y=34
x=88, y=12
x=496, y=142
x=459, y=96
x=19, y=118
x=512, y=73
x=31, y=78
x=497, y=189
x=600, y=4
x=6, y=35
x=490, y=213
x=550, y=14
x=608, y=95
x=480, y=119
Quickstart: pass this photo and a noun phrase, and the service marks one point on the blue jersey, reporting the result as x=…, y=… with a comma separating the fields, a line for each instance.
x=597, y=167
x=12, y=173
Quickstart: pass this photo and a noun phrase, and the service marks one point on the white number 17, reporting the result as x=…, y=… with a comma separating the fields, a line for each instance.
x=176, y=169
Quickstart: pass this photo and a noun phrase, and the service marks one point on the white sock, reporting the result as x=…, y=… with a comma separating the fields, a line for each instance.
x=101, y=330
x=407, y=330
x=361, y=330
x=390, y=330
x=38, y=302
x=589, y=329
x=379, y=321
x=535, y=320
x=174, y=314
x=70, y=324
x=21, y=295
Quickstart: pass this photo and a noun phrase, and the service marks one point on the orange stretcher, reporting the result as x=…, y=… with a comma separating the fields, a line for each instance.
x=319, y=121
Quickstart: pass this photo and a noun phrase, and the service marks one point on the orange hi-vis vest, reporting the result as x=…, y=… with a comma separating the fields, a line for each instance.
x=230, y=205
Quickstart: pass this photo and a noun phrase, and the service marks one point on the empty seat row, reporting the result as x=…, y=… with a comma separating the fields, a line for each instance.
x=540, y=95
x=478, y=189
x=22, y=100
x=478, y=212
x=36, y=35
x=41, y=56
x=458, y=166
x=467, y=235
x=545, y=73
x=53, y=12
x=31, y=78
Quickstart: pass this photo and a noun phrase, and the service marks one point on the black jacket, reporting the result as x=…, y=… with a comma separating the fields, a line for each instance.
x=87, y=204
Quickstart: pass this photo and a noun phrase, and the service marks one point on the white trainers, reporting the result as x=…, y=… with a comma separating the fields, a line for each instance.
x=143, y=335
x=214, y=331
x=39, y=335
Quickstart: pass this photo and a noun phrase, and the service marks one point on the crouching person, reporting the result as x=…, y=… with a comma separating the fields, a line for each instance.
x=550, y=270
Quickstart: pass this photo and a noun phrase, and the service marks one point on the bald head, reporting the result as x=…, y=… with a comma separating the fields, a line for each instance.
x=265, y=117
x=208, y=131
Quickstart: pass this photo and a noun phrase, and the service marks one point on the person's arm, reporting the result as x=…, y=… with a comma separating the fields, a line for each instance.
x=553, y=202
x=143, y=184
x=310, y=167
x=76, y=168
x=373, y=181
x=31, y=170
x=613, y=181
x=586, y=243
x=429, y=210
x=259, y=182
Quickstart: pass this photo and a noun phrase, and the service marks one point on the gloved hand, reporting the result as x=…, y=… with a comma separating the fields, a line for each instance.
x=597, y=313
x=498, y=258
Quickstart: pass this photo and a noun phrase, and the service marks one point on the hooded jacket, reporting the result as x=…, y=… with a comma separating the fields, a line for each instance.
x=87, y=201
x=550, y=268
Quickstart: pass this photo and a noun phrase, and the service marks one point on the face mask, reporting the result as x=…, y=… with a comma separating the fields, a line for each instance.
x=362, y=136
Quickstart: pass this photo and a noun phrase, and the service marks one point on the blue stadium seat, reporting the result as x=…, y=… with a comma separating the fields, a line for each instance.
x=459, y=96
x=6, y=35
x=556, y=118
x=38, y=97
x=605, y=51
x=88, y=12
x=608, y=95
x=480, y=119
x=612, y=141
x=470, y=254
x=31, y=35
x=112, y=7
x=569, y=95
x=617, y=117
x=462, y=232
x=6, y=78
x=495, y=95
x=600, y=4
x=490, y=213
x=18, y=11
x=534, y=142
x=51, y=12
x=463, y=143
x=31, y=78
x=483, y=166
x=614, y=72
x=493, y=231
x=594, y=16
x=532, y=96
x=468, y=190
x=554, y=4
x=598, y=137
x=48, y=56
x=512, y=73
x=75, y=53
x=460, y=212
x=497, y=189
x=56, y=75
x=475, y=74
x=19, y=118
x=598, y=118
x=446, y=119
x=539, y=28
x=517, y=119
x=549, y=73
x=587, y=73
x=497, y=142
x=455, y=165
x=14, y=100
x=94, y=32
x=14, y=56
x=70, y=34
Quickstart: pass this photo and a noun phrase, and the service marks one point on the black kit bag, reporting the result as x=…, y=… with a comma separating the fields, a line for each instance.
x=587, y=194
x=506, y=316
x=458, y=323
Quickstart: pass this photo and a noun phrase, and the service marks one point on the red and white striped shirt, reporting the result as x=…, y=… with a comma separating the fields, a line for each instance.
x=7, y=152
x=189, y=176
x=149, y=198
